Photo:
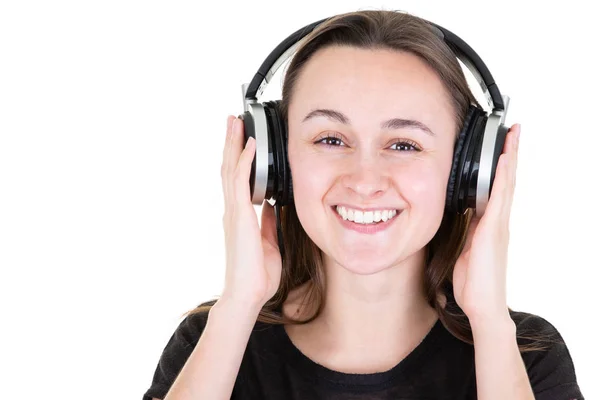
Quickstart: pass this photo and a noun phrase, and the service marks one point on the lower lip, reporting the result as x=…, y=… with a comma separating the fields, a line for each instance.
x=366, y=228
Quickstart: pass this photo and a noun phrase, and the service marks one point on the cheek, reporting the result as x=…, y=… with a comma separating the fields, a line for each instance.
x=310, y=178
x=423, y=184
x=310, y=182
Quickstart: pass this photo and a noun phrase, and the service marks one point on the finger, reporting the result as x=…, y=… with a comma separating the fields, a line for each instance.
x=473, y=223
x=233, y=157
x=512, y=170
x=504, y=181
x=516, y=154
x=508, y=140
x=224, y=162
x=268, y=225
x=501, y=177
x=495, y=209
x=241, y=177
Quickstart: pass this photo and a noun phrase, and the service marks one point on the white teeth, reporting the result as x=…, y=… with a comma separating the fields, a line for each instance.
x=377, y=216
x=358, y=217
x=366, y=217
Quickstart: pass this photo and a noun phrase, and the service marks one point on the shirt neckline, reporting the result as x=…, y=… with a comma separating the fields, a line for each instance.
x=323, y=375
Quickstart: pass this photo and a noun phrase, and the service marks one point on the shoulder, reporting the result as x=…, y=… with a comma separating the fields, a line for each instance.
x=546, y=356
x=176, y=352
x=536, y=334
x=192, y=325
x=532, y=324
x=529, y=320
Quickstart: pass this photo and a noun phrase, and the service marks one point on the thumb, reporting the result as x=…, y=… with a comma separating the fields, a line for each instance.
x=268, y=225
x=473, y=224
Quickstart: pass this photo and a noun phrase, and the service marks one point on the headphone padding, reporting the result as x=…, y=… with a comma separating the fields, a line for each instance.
x=456, y=160
x=280, y=164
x=465, y=194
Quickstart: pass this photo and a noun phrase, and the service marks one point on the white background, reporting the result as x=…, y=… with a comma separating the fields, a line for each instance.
x=112, y=120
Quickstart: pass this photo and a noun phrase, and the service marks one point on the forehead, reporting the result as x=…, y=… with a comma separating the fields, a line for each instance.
x=368, y=84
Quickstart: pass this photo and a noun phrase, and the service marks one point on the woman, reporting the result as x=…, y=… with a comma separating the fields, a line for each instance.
x=383, y=293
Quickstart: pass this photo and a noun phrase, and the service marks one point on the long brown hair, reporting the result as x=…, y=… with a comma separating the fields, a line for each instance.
x=404, y=32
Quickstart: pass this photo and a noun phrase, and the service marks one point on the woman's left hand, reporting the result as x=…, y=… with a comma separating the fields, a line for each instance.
x=479, y=277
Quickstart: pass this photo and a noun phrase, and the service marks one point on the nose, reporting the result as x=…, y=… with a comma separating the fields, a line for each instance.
x=366, y=178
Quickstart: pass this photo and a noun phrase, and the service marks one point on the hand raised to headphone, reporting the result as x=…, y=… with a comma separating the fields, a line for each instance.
x=253, y=270
x=479, y=277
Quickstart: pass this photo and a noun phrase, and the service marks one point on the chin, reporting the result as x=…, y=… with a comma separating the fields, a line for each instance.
x=364, y=264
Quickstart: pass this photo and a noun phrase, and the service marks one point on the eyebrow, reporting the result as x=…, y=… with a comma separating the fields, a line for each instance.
x=393, y=123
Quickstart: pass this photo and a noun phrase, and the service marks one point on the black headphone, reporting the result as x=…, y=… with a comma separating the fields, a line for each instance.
x=476, y=153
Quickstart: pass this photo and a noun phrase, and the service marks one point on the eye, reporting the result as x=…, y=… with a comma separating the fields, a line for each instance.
x=405, y=145
x=331, y=140
x=335, y=140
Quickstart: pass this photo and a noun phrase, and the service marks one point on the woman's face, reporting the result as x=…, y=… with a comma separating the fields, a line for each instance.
x=348, y=155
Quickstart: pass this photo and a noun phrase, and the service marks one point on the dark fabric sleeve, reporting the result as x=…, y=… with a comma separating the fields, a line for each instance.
x=551, y=371
x=175, y=354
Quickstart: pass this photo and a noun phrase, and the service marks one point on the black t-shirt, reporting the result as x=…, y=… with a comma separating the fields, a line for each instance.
x=440, y=367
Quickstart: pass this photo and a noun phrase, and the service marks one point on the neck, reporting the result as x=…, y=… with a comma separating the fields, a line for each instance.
x=387, y=305
x=369, y=322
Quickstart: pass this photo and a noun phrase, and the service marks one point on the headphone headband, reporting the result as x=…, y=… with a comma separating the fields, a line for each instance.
x=477, y=147
x=288, y=46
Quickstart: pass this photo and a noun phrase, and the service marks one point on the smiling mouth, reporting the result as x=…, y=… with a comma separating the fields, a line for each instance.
x=366, y=218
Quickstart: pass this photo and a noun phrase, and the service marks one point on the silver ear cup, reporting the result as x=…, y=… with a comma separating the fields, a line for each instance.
x=261, y=157
x=494, y=130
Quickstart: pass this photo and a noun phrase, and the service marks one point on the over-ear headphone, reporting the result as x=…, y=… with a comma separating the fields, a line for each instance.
x=476, y=153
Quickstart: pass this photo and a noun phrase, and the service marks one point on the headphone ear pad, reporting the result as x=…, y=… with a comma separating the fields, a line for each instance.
x=283, y=193
x=458, y=159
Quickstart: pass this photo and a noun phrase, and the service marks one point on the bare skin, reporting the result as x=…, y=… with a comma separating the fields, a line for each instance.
x=316, y=340
x=375, y=313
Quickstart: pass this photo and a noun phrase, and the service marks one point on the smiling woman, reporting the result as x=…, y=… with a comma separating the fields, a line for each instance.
x=387, y=279
x=367, y=171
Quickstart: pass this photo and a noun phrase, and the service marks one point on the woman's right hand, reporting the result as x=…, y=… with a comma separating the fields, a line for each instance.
x=253, y=269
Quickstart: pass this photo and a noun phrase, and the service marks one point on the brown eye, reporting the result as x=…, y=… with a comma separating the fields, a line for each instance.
x=330, y=141
x=405, y=145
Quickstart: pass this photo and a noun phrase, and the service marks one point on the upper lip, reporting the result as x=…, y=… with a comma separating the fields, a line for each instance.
x=366, y=208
